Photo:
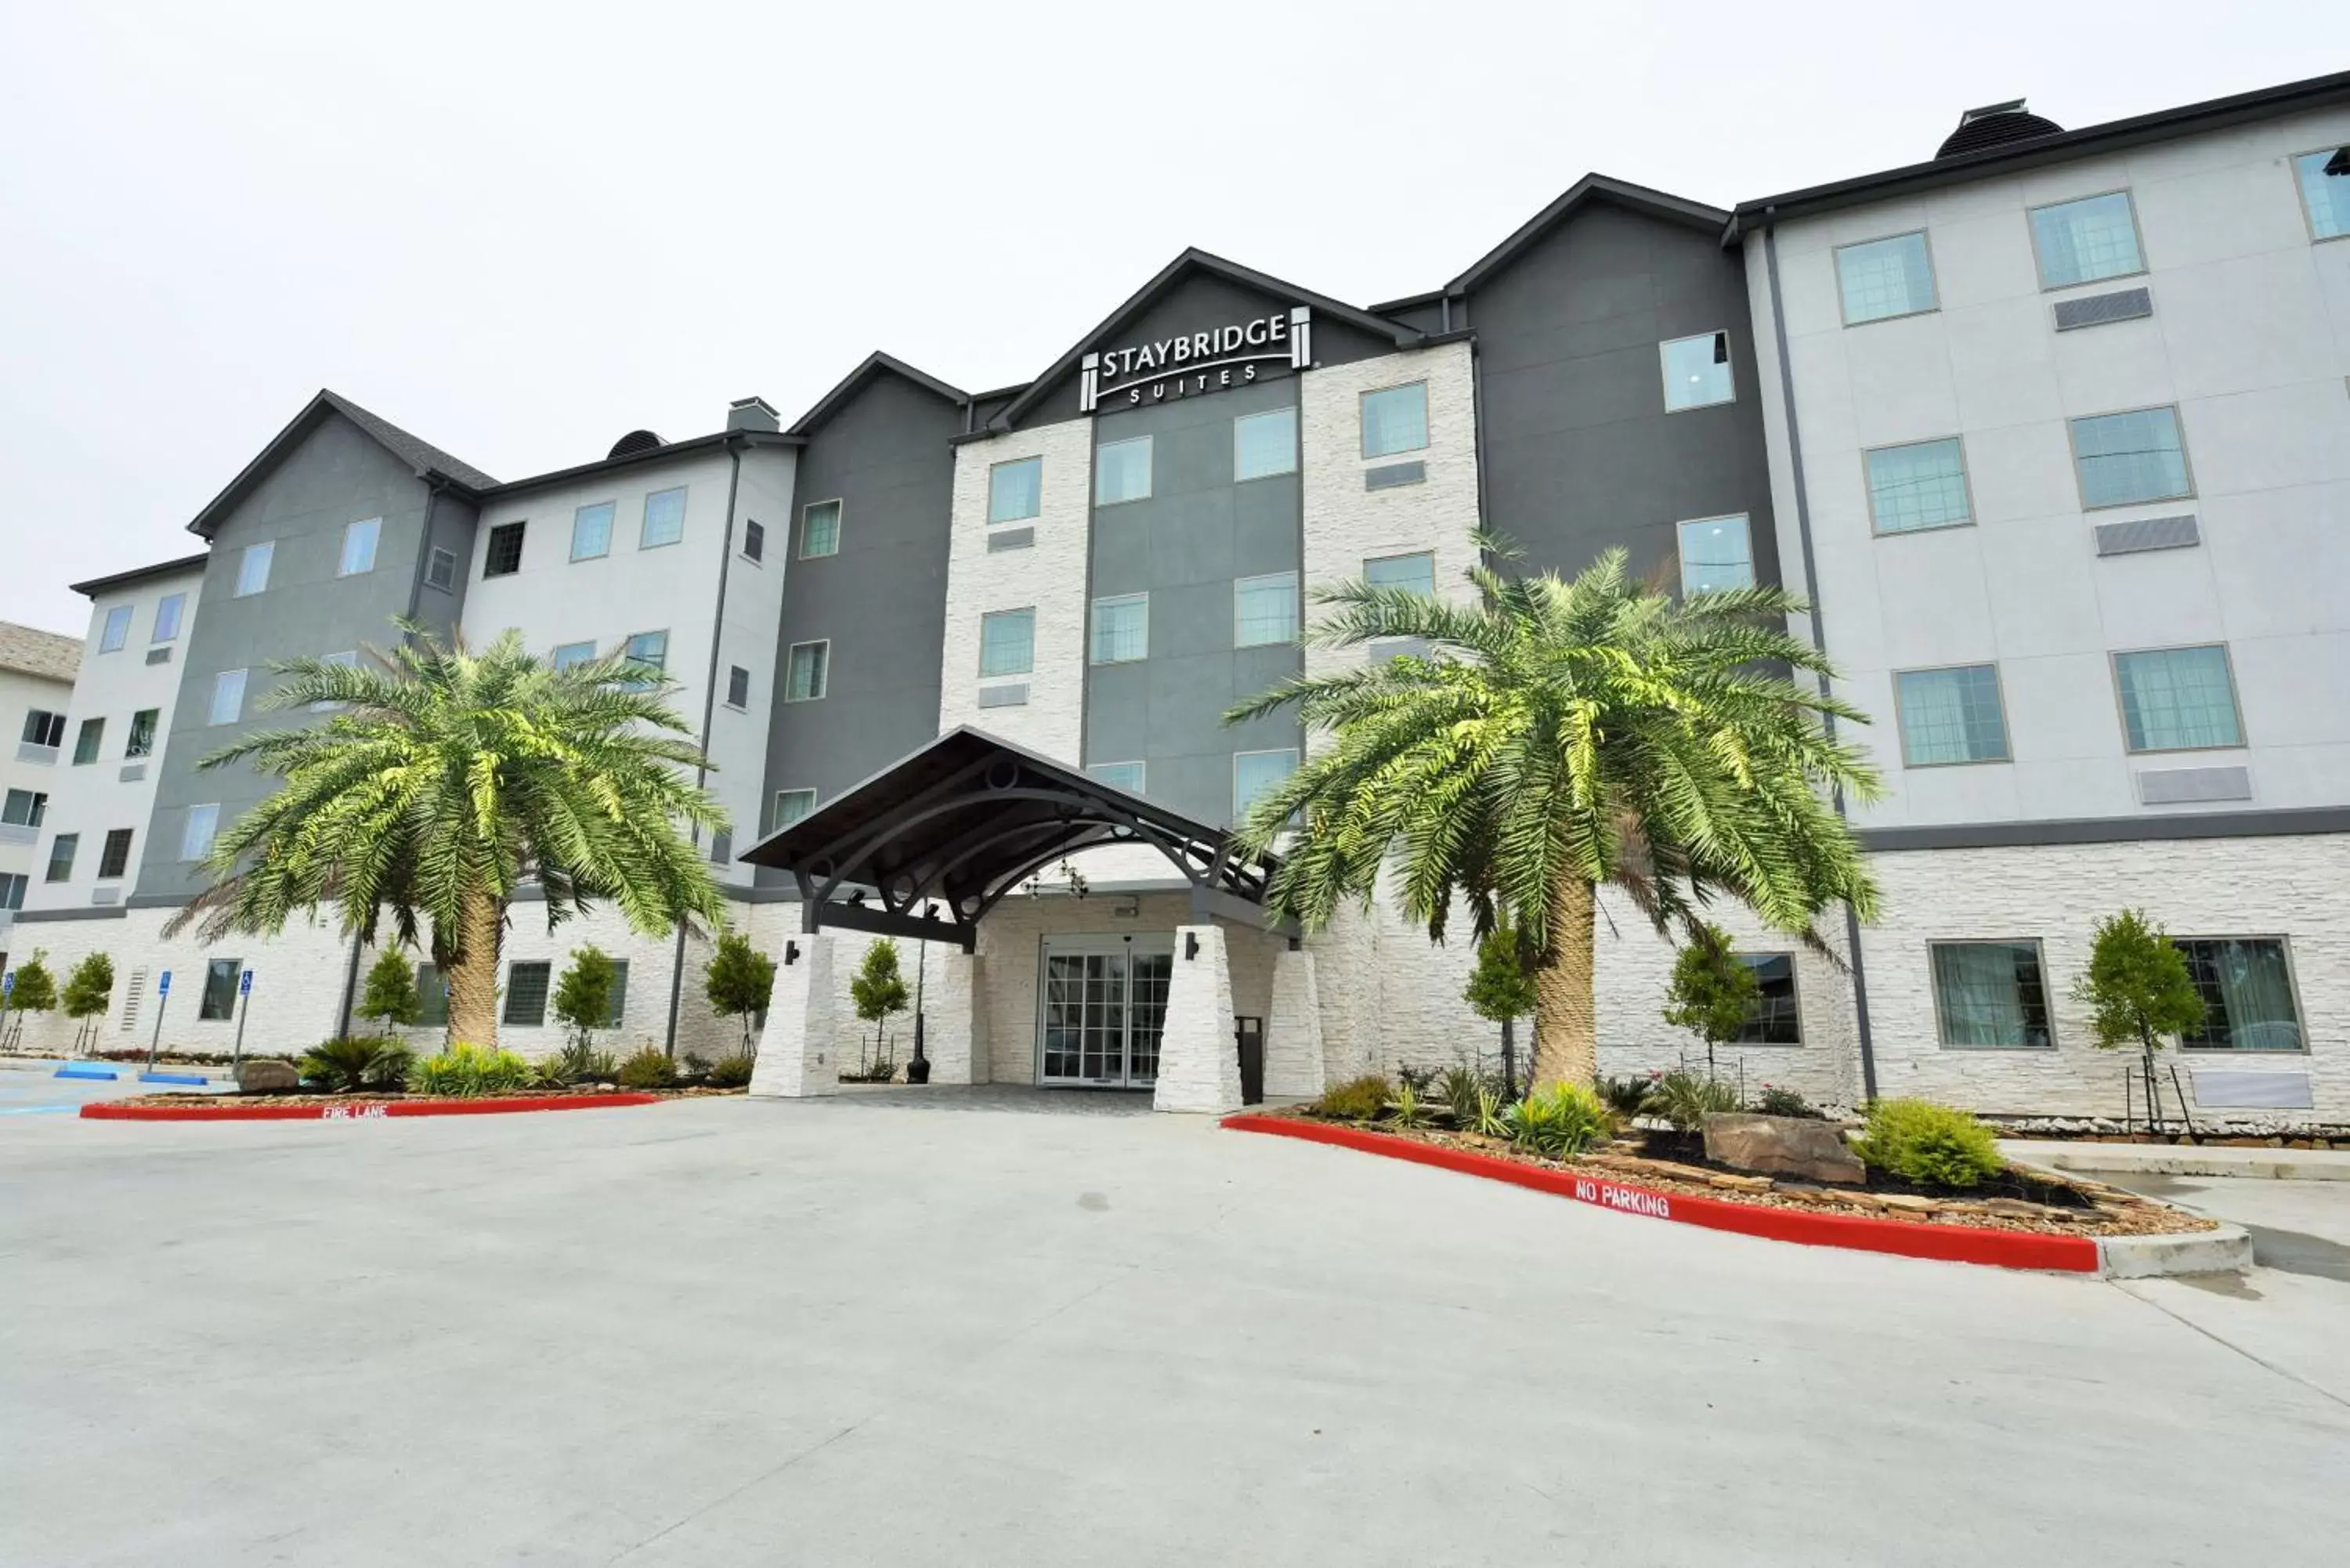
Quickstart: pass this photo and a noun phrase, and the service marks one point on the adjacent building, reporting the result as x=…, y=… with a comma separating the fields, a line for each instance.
x=37, y=680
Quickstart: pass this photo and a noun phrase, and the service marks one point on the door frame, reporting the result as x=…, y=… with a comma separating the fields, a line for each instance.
x=1071, y=943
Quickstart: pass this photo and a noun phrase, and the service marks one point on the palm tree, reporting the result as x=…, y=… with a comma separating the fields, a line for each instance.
x=1554, y=737
x=445, y=781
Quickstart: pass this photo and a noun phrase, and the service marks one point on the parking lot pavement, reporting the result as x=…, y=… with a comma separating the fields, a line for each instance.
x=747, y=1332
x=38, y=1092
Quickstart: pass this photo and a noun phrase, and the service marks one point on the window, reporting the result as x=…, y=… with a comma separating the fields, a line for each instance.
x=196, y=834
x=143, y=733
x=1016, y=489
x=12, y=890
x=1007, y=642
x=806, y=672
x=525, y=994
x=2247, y=986
x=1121, y=628
x=755, y=540
x=61, y=855
x=431, y=996
x=2324, y=196
x=1395, y=419
x=2177, y=699
x=23, y=808
x=2083, y=241
x=1265, y=610
x=1885, y=278
x=1950, y=716
x=1916, y=487
x=1122, y=471
x=1989, y=995
x=219, y=1002
x=1126, y=776
x=348, y=660
x=86, y=742
x=1264, y=444
x=359, y=547
x=571, y=653
x=1414, y=574
x=43, y=728
x=505, y=555
x=620, y=994
x=441, y=569
x=591, y=532
x=1697, y=371
x=168, y=610
x=253, y=569
x=117, y=630
x=1716, y=553
x=228, y=697
x=649, y=651
x=2124, y=459
x=791, y=804
x=1255, y=773
x=820, y=530
x=1774, y=1019
x=664, y=520
x=738, y=686
x=114, y=855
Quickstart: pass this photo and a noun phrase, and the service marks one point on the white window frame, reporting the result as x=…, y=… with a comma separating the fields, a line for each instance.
x=1150, y=469
x=434, y=559
x=1363, y=427
x=374, y=536
x=1289, y=581
x=114, y=630
x=1240, y=812
x=2301, y=198
x=1093, y=642
x=179, y=603
x=612, y=516
x=212, y=714
x=838, y=518
x=1933, y=277
x=993, y=467
x=645, y=519
x=1288, y=411
x=194, y=845
x=627, y=650
x=1664, y=370
x=1680, y=553
x=777, y=820
x=1029, y=669
x=823, y=685
x=266, y=554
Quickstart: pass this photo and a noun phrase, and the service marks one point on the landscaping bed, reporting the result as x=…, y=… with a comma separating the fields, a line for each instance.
x=2325, y=1138
x=594, y=1092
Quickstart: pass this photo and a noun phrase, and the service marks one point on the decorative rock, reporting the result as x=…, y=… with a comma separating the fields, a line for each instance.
x=1910, y=1203
x=2017, y=1209
x=1791, y=1146
x=1740, y=1183
x=264, y=1075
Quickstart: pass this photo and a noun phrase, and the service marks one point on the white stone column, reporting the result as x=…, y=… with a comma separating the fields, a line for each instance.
x=1199, y=1064
x=1293, y=1034
x=955, y=1035
x=796, y=1058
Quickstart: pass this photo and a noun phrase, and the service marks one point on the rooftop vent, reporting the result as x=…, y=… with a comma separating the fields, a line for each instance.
x=752, y=415
x=635, y=442
x=1993, y=125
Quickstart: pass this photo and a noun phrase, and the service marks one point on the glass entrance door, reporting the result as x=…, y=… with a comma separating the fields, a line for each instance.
x=1101, y=1008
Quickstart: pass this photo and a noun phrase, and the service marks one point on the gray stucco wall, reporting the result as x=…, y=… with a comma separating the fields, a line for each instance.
x=335, y=475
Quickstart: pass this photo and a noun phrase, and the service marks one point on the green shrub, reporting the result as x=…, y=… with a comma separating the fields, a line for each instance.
x=358, y=1061
x=650, y=1068
x=1418, y=1080
x=467, y=1072
x=1560, y=1121
x=1489, y=1116
x=1359, y=1100
x=1778, y=1101
x=1459, y=1090
x=731, y=1072
x=1931, y=1145
x=1686, y=1100
x=1624, y=1095
x=1407, y=1109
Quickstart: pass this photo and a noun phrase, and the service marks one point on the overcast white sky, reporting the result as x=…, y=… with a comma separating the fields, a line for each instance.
x=521, y=231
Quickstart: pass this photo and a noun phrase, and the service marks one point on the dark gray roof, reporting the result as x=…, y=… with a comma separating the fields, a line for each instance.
x=420, y=454
x=97, y=585
x=876, y=363
x=428, y=461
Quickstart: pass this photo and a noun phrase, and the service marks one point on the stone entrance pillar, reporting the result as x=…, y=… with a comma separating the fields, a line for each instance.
x=797, y=1051
x=1199, y=1062
x=1293, y=1034
x=955, y=1036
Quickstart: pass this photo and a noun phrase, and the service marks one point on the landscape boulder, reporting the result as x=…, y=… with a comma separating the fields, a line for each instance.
x=1784, y=1146
x=265, y=1076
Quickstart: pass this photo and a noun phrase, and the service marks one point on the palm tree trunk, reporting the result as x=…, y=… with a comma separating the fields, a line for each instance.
x=1566, y=1038
x=473, y=972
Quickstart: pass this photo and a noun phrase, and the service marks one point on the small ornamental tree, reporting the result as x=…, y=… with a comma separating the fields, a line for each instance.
x=36, y=991
x=738, y=980
x=88, y=992
x=583, y=997
x=2137, y=990
x=1501, y=990
x=878, y=991
x=391, y=996
x=1711, y=994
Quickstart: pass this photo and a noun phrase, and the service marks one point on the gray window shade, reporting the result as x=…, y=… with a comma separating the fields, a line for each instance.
x=2247, y=989
x=1990, y=996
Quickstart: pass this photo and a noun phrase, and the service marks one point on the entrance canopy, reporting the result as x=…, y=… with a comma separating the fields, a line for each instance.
x=924, y=849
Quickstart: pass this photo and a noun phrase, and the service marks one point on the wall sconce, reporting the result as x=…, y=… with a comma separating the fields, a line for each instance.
x=1190, y=946
x=791, y=954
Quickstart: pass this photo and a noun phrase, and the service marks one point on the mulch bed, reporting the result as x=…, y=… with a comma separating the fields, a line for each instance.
x=196, y=1098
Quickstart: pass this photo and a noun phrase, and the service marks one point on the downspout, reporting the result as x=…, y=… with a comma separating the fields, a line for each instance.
x=710, y=713
x=1818, y=628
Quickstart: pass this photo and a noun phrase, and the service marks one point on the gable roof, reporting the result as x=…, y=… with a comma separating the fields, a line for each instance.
x=29, y=650
x=97, y=585
x=1593, y=187
x=1194, y=261
x=875, y=364
x=428, y=460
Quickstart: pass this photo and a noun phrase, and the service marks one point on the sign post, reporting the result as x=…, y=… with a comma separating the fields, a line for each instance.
x=162, y=995
x=7, y=990
x=243, y=1006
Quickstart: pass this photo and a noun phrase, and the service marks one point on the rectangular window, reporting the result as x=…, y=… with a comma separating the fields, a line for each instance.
x=23, y=808
x=2126, y=459
x=1395, y=419
x=505, y=555
x=143, y=733
x=168, y=610
x=807, y=671
x=2247, y=986
x=2083, y=241
x=12, y=890
x=1265, y=610
x=1255, y=773
x=1919, y=486
x=1774, y=1019
x=571, y=653
x=1990, y=996
x=117, y=630
x=1126, y=776
x=738, y=686
x=620, y=994
x=196, y=834
x=591, y=532
x=791, y=804
x=218, y=1003
x=43, y=728
x=253, y=569
x=2324, y=196
x=431, y=996
x=1950, y=716
x=1716, y=553
x=228, y=697
x=819, y=530
x=755, y=540
x=441, y=569
x=1121, y=628
x=1885, y=278
x=359, y=546
x=649, y=651
x=2177, y=699
x=1264, y=444
x=348, y=660
x=525, y=994
x=114, y=855
x=1413, y=574
x=1122, y=471
x=1007, y=642
x=1697, y=371
x=1016, y=489
x=664, y=520
x=87, y=741
x=61, y=855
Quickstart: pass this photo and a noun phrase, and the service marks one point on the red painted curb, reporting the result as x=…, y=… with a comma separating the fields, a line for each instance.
x=369, y=1110
x=1949, y=1244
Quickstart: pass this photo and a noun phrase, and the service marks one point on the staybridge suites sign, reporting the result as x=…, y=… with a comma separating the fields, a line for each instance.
x=1187, y=366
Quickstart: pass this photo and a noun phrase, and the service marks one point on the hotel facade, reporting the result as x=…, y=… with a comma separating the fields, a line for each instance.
x=2053, y=428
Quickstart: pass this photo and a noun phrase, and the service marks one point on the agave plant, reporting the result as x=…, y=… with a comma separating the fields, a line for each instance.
x=1685, y=1099
x=348, y=1065
x=1406, y=1108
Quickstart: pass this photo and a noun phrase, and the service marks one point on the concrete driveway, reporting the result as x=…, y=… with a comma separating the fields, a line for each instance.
x=729, y=1332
